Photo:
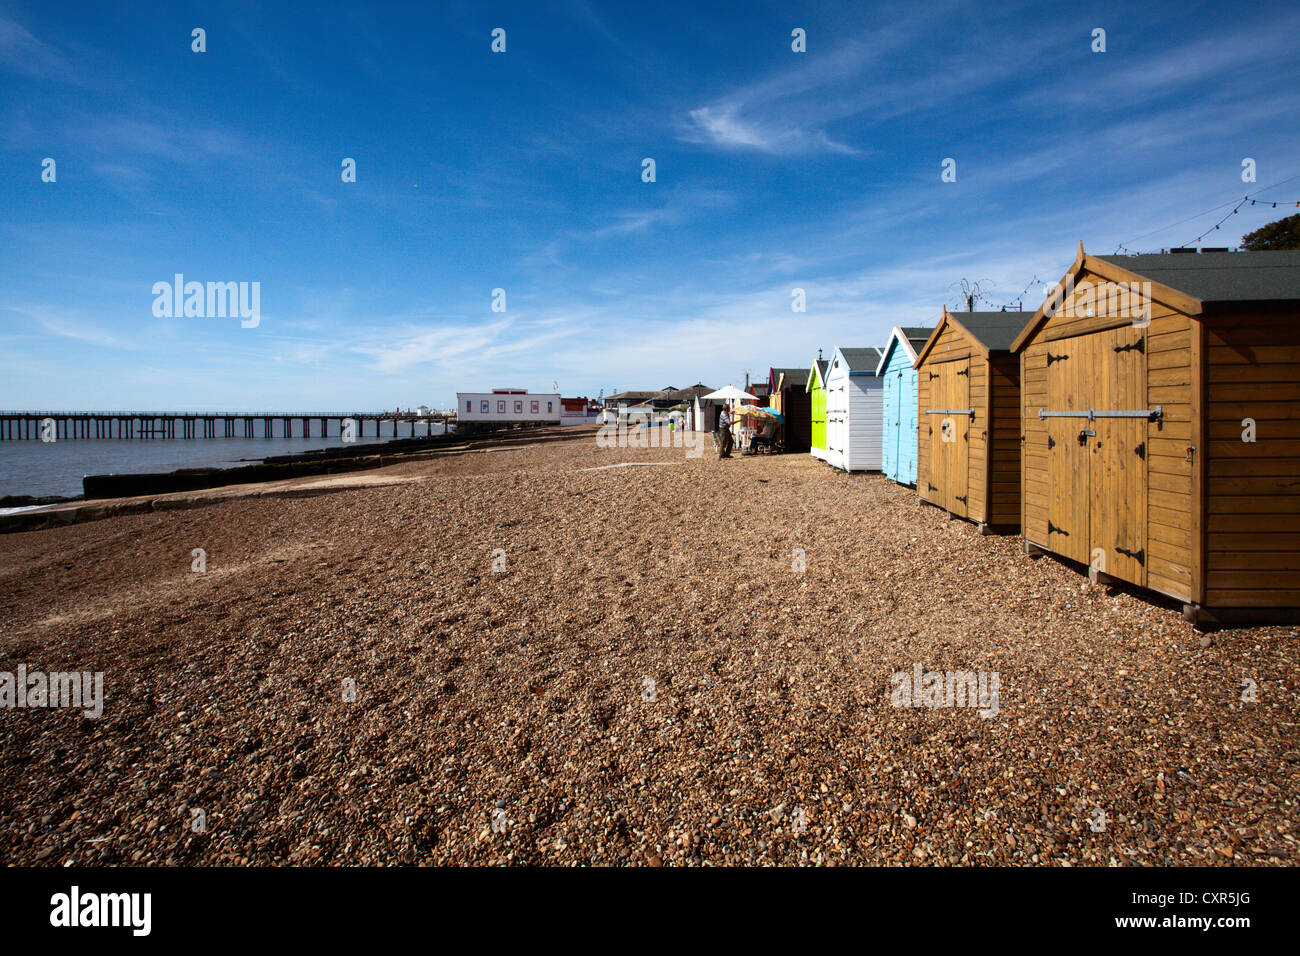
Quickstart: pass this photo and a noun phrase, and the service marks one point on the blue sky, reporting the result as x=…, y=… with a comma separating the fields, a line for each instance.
x=775, y=170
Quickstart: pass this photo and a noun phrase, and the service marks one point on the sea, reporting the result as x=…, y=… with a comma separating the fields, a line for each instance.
x=39, y=468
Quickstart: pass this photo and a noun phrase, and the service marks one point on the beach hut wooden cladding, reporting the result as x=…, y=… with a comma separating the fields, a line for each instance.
x=968, y=418
x=1161, y=414
x=817, y=408
x=898, y=403
x=853, y=410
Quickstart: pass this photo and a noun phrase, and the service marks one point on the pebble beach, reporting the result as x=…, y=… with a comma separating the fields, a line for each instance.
x=521, y=655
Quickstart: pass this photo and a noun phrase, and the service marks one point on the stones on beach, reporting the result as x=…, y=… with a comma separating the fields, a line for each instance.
x=522, y=692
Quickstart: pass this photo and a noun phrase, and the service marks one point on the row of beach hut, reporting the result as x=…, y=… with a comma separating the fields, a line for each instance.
x=1145, y=422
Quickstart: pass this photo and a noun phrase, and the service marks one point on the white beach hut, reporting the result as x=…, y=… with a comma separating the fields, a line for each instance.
x=853, y=410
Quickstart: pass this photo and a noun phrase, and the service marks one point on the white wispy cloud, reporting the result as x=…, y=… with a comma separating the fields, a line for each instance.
x=723, y=126
x=22, y=52
x=69, y=325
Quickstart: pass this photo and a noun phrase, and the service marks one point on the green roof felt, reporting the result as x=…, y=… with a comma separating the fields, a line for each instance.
x=1266, y=276
x=917, y=335
x=861, y=359
x=994, y=330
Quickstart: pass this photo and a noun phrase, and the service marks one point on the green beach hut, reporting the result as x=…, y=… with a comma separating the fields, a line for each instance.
x=816, y=389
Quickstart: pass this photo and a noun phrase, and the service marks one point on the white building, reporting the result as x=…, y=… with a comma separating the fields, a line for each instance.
x=508, y=405
x=853, y=410
x=704, y=413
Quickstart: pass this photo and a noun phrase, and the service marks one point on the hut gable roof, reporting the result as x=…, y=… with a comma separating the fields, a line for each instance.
x=793, y=376
x=989, y=331
x=916, y=335
x=1192, y=283
x=860, y=361
x=911, y=338
x=816, y=374
x=1212, y=277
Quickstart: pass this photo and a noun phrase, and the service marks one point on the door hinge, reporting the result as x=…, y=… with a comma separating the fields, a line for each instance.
x=1053, y=529
x=965, y=371
x=1055, y=358
x=1051, y=442
x=1141, y=450
x=961, y=498
x=932, y=487
x=934, y=375
x=1138, y=346
x=1139, y=556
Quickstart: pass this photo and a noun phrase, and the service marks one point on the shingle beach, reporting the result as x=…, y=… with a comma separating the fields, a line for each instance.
x=503, y=657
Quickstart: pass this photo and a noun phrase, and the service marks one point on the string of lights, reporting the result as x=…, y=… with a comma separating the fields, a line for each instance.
x=1124, y=248
x=972, y=293
x=1017, y=301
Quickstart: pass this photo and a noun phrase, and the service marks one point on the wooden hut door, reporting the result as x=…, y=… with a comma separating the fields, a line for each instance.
x=957, y=388
x=1097, y=466
x=936, y=481
x=892, y=408
x=1069, y=388
x=1117, y=453
x=950, y=434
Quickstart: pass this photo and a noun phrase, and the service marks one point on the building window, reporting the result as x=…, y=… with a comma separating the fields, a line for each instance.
x=519, y=408
x=469, y=405
x=535, y=407
x=501, y=408
x=550, y=406
x=483, y=406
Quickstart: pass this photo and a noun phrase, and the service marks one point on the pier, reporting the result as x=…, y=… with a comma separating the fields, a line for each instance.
x=66, y=426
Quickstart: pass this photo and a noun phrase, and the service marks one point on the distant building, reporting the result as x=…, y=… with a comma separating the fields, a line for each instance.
x=578, y=411
x=508, y=406
x=654, y=398
x=645, y=403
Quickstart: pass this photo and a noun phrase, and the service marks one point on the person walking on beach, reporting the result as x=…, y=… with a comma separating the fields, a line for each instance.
x=724, y=426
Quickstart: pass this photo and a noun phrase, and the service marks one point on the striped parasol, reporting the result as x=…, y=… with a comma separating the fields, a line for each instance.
x=763, y=414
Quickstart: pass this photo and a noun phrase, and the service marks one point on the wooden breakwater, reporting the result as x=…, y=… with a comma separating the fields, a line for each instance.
x=134, y=494
x=320, y=461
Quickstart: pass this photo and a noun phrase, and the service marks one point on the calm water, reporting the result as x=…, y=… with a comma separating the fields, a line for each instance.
x=56, y=468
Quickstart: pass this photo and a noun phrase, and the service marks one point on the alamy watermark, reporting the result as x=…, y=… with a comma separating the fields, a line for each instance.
x=215, y=300
x=919, y=688
x=632, y=431
x=56, y=689
x=1122, y=300
x=75, y=908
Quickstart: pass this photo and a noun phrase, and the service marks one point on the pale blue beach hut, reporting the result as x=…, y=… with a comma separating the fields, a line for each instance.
x=898, y=403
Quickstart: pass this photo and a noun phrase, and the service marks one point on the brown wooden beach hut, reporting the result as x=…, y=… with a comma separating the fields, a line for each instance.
x=789, y=391
x=968, y=418
x=1161, y=414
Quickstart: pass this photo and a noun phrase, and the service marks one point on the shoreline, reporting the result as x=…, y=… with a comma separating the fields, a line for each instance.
x=279, y=475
